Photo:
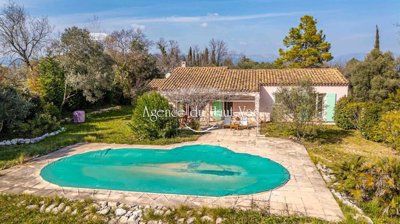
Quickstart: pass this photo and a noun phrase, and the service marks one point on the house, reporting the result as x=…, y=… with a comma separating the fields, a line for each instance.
x=253, y=89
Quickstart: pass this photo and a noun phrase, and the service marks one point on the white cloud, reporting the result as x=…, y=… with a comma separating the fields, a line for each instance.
x=214, y=17
x=136, y=27
x=243, y=43
x=204, y=24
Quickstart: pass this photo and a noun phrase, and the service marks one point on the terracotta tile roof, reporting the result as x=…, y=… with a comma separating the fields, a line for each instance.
x=156, y=83
x=241, y=80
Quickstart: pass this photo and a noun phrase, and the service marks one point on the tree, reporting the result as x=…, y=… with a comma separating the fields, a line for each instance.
x=374, y=78
x=247, y=63
x=87, y=68
x=52, y=81
x=219, y=51
x=22, y=36
x=135, y=66
x=297, y=105
x=169, y=55
x=190, y=57
x=377, y=42
x=306, y=46
x=206, y=60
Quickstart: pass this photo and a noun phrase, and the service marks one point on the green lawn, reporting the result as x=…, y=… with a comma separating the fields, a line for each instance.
x=110, y=127
x=331, y=146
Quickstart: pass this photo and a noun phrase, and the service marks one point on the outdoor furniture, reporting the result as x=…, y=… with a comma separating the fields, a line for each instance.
x=235, y=123
x=227, y=121
x=244, y=123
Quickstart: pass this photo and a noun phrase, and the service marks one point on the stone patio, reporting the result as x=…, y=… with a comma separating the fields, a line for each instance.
x=304, y=194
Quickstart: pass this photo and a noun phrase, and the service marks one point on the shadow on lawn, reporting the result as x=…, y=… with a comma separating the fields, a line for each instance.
x=329, y=135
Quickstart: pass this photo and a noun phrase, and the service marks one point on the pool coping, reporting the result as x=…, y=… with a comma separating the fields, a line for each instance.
x=305, y=193
x=134, y=147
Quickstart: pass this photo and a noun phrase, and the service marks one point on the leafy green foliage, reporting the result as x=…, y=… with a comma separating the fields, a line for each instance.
x=347, y=113
x=247, y=63
x=297, y=105
x=374, y=78
x=134, y=65
x=147, y=124
x=369, y=120
x=14, y=107
x=306, y=45
x=372, y=182
x=39, y=125
x=88, y=69
x=389, y=128
x=52, y=81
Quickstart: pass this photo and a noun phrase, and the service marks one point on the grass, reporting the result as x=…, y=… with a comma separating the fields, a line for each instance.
x=331, y=146
x=229, y=215
x=13, y=210
x=109, y=127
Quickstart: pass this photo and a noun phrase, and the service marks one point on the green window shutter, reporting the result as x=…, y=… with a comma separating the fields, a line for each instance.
x=330, y=106
x=217, y=109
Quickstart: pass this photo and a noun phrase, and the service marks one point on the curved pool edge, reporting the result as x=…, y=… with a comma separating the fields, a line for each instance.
x=163, y=148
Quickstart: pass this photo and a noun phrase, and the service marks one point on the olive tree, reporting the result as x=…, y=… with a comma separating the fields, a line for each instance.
x=296, y=104
x=87, y=68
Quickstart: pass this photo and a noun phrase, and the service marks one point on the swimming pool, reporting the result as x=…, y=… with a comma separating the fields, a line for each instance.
x=203, y=170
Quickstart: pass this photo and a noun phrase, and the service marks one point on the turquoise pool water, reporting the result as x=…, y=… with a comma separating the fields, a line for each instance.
x=203, y=170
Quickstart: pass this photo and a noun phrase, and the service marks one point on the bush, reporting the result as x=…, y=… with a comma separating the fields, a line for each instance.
x=347, y=113
x=389, y=128
x=39, y=125
x=372, y=182
x=14, y=108
x=369, y=120
x=146, y=124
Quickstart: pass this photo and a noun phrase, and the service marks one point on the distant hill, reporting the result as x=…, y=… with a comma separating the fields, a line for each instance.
x=343, y=59
x=254, y=57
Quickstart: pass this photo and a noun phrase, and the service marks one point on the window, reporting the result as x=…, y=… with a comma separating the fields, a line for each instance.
x=320, y=105
x=228, y=108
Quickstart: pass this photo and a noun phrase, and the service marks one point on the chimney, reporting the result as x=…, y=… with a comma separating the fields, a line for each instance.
x=183, y=64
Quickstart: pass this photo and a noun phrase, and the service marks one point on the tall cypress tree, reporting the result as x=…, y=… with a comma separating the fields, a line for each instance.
x=206, y=61
x=377, y=41
x=189, y=57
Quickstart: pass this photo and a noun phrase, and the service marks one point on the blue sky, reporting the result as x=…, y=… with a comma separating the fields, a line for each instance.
x=248, y=26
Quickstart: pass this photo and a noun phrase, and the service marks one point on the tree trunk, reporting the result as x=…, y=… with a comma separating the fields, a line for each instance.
x=1, y=125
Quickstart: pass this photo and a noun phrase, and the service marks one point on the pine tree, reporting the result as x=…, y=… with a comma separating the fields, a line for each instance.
x=377, y=41
x=306, y=46
x=189, y=57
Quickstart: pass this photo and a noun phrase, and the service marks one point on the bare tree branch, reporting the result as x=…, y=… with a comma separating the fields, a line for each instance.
x=22, y=36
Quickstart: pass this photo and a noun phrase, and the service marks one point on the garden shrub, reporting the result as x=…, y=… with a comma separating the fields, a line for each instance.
x=41, y=124
x=14, y=108
x=347, y=113
x=146, y=124
x=389, y=128
x=376, y=182
x=369, y=120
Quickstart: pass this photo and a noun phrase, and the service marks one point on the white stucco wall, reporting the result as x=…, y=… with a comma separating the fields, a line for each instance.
x=267, y=96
